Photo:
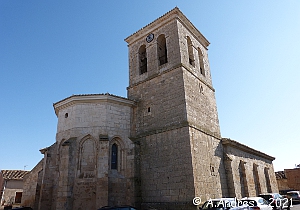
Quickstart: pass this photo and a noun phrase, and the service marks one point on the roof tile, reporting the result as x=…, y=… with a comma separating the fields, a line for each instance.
x=14, y=174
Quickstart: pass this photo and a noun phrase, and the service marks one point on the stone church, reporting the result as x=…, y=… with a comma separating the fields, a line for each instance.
x=156, y=149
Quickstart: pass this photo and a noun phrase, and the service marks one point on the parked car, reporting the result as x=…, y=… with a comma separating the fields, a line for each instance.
x=117, y=208
x=256, y=203
x=294, y=195
x=223, y=203
x=274, y=199
x=283, y=192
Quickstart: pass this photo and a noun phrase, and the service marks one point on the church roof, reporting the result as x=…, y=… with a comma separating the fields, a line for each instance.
x=13, y=174
x=91, y=98
x=172, y=14
x=230, y=142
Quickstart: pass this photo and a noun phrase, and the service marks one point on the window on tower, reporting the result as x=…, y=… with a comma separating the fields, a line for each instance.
x=143, y=59
x=201, y=63
x=162, y=49
x=190, y=51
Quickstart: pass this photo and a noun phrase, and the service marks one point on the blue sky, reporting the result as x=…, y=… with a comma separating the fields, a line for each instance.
x=50, y=50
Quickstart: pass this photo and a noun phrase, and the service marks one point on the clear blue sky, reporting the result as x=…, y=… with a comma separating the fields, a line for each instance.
x=50, y=50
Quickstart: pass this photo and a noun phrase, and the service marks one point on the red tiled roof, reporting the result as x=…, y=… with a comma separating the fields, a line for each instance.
x=280, y=175
x=13, y=174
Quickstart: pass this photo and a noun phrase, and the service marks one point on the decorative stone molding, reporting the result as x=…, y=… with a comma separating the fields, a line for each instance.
x=174, y=67
x=91, y=98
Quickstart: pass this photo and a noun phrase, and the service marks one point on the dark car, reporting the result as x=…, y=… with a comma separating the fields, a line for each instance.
x=274, y=199
x=117, y=208
x=23, y=208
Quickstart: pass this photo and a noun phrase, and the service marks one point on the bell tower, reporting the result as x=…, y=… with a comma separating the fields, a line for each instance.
x=175, y=123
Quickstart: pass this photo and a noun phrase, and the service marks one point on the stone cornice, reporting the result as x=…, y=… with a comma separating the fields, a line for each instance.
x=174, y=127
x=171, y=69
x=205, y=130
x=91, y=98
x=235, y=144
x=169, y=16
x=202, y=80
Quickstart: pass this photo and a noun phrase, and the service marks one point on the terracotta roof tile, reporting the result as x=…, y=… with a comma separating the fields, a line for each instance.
x=280, y=175
x=14, y=174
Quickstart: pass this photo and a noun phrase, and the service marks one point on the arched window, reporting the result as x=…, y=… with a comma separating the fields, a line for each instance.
x=114, y=156
x=201, y=62
x=162, y=49
x=190, y=51
x=87, y=158
x=143, y=59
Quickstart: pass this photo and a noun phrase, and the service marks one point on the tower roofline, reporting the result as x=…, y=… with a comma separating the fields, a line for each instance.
x=171, y=15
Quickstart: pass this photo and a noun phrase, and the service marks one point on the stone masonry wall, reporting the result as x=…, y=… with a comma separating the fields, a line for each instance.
x=201, y=105
x=153, y=68
x=166, y=170
x=293, y=178
x=161, y=103
x=248, y=174
x=49, y=179
x=171, y=170
x=282, y=184
x=160, y=126
x=31, y=187
x=1, y=187
x=208, y=166
x=196, y=45
x=85, y=134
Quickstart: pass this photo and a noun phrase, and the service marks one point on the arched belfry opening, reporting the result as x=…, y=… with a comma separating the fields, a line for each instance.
x=201, y=62
x=162, y=49
x=190, y=51
x=143, y=59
